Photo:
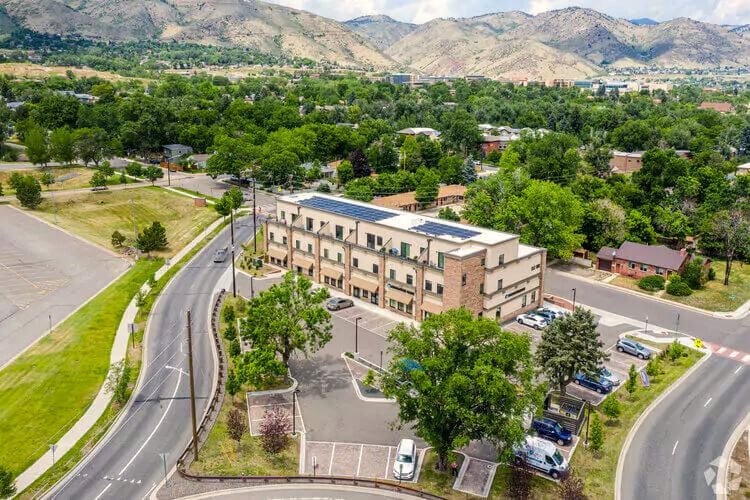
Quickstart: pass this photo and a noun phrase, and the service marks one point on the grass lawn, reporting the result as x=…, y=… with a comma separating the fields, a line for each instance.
x=598, y=469
x=437, y=482
x=47, y=389
x=220, y=455
x=245, y=261
x=196, y=194
x=96, y=215
x=65, y=177
x=630, y=284
x=717, y=297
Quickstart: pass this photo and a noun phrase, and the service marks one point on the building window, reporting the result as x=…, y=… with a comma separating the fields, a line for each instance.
x=355, y=291
x=501, y=259
x=499, y=285
x=409, y=308
x=482, y=261
x=309, y=223
x=392, y=274
x=409, y=279
x=644, y=267
x=355, y=262
x=441, y=260
x=400, y=306
x=426, y=314
x=310, y=271
x=297, y=244
x=370, y=241
x=322, y=223
x=270, y=236
x=439, y=289
x=365, y=293
x=379, y=239
x=428, y=285
x=283, y=216
x=405, y=249
x=374, y=298
x=523, y=301
x=283, y=240
x=631, y=265
x=533, y=296
x=659, y=271
x=339, y=232
x=309, y=248
x=375, y=268
x=339, y=258
x=498, y=314
x=392, y=303
x=294, y=217
x=463, y=279
x=325, y=253
x=534, y=268
x=481, y=288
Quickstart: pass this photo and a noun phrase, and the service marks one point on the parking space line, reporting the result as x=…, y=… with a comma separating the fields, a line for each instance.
x=675, y=447
x=738, y=370
x=707, y=402
x=387, y=463
x=330, y=465
x=359, y=462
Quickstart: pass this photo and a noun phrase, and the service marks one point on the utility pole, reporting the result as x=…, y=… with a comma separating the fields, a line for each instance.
x=231, y=230
x=255, y=230
x=356, y=333
x=677, y=325
x=574, y=298
x=192, y=385
x=252, y=289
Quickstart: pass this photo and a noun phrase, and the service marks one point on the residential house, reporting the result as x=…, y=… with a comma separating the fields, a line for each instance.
x=624, y=162
x=721, y=107
x=637, y=260
x=743, y=169
x=447, y=195
x=171, y=155
x=404, y=262
x=415, y=131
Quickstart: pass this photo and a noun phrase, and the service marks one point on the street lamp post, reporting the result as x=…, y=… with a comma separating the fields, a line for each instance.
x=52, y=448
x=647, y=324
x=356, y=333
x=677, y=324
x=574, y=298
x=294, y=412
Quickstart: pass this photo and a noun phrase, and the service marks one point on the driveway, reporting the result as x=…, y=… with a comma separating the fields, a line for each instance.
x=46, y=274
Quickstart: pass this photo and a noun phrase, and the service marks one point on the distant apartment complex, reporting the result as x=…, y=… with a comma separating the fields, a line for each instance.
x=401, y=261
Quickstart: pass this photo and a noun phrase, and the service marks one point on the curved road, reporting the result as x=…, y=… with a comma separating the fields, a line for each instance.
x=302, y=492
x=128, y=464
x=678, y=441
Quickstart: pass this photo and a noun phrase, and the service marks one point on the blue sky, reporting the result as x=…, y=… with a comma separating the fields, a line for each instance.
x=419, y=11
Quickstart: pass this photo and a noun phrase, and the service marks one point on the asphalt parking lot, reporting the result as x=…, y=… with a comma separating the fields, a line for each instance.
x=45, y=274
x=352, y=459
x=378, y=324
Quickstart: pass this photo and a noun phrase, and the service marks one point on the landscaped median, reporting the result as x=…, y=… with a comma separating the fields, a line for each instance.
x=47, y=389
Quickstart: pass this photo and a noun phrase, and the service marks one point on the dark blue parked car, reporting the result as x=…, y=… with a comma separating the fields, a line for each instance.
x=549, y=429
x=598, y=383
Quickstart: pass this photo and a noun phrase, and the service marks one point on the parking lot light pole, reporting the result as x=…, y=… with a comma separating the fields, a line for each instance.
x=574, y=298
x=356, y=333
x=646, y=324
x=294, y=412
x=52, y=448
x=677, y=324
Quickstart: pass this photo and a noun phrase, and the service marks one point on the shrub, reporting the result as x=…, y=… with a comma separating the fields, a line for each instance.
x=651, y=283
x=678, y=287
x=7, y=484
x=711, y=274
x=369, y=379
x=274, y=429
x=597, y=433
x=324, y=187
x=233, y=385
x=118, y=380
x=571, y=488
x=234, y=348
x=611, y=407
x=653, y=368
x=448, y=213
x=521, y=480
x=236, y=424
x=228, y=314
x=230, y=332
x=676, y=351
x=134, y=169
x=694, y=274
x=28, y=191
x=630, y=384
x=117, y=239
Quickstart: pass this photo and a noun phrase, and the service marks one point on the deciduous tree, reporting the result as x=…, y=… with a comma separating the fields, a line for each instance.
x=458, y=378
x=571, y=345
x=61, y=146
x=28, y=191
x=37, y=149
x=274, y=430
x=236, y=424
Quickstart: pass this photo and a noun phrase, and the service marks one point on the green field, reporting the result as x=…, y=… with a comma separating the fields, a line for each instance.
x=66, y=178
x=48, y=388
x=95, y=216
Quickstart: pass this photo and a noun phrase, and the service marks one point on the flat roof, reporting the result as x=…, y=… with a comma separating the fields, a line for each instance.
x=407, y=221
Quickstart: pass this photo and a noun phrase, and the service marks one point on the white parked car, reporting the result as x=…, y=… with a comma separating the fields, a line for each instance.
x=532, y=320
x=406, y=460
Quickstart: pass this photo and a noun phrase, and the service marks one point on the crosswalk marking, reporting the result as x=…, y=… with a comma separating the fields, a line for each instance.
x=734, y=354
x=746, y=358
x=721, y=349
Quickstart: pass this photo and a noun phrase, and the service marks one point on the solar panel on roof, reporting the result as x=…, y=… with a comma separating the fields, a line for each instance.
x=438, y=229
x=344, y=208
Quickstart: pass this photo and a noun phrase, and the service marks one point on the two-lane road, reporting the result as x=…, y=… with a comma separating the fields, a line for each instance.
x=128, y=463
x=678, y=441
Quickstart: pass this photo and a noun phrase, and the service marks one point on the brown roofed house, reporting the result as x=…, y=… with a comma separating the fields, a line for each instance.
x=637, y=260
x=447, y=195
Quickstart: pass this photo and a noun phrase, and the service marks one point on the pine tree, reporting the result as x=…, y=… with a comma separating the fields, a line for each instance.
x=597, y=433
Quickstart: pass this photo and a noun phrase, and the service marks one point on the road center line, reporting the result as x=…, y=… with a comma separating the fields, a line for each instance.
x=158, y=424
x=103, y=491
x=708, y=401
x=675, y=447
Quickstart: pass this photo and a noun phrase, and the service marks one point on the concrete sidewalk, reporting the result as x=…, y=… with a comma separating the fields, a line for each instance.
x=103, y=398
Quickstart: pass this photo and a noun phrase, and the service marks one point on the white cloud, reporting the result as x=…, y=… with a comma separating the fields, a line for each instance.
x=717, y=11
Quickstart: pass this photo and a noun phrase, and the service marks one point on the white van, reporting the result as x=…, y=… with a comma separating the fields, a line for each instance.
x=542, y=455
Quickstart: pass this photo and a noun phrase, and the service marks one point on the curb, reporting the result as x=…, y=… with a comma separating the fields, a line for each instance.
x=722, y=474
x=742, y=311
x=115, y=426
x=634, y=430
x=356, y=386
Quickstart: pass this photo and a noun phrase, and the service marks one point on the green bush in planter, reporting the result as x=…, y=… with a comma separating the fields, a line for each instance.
x=678, y=287
x=651, y=283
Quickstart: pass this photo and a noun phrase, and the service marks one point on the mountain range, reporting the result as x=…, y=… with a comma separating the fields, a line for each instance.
x=567, y=43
